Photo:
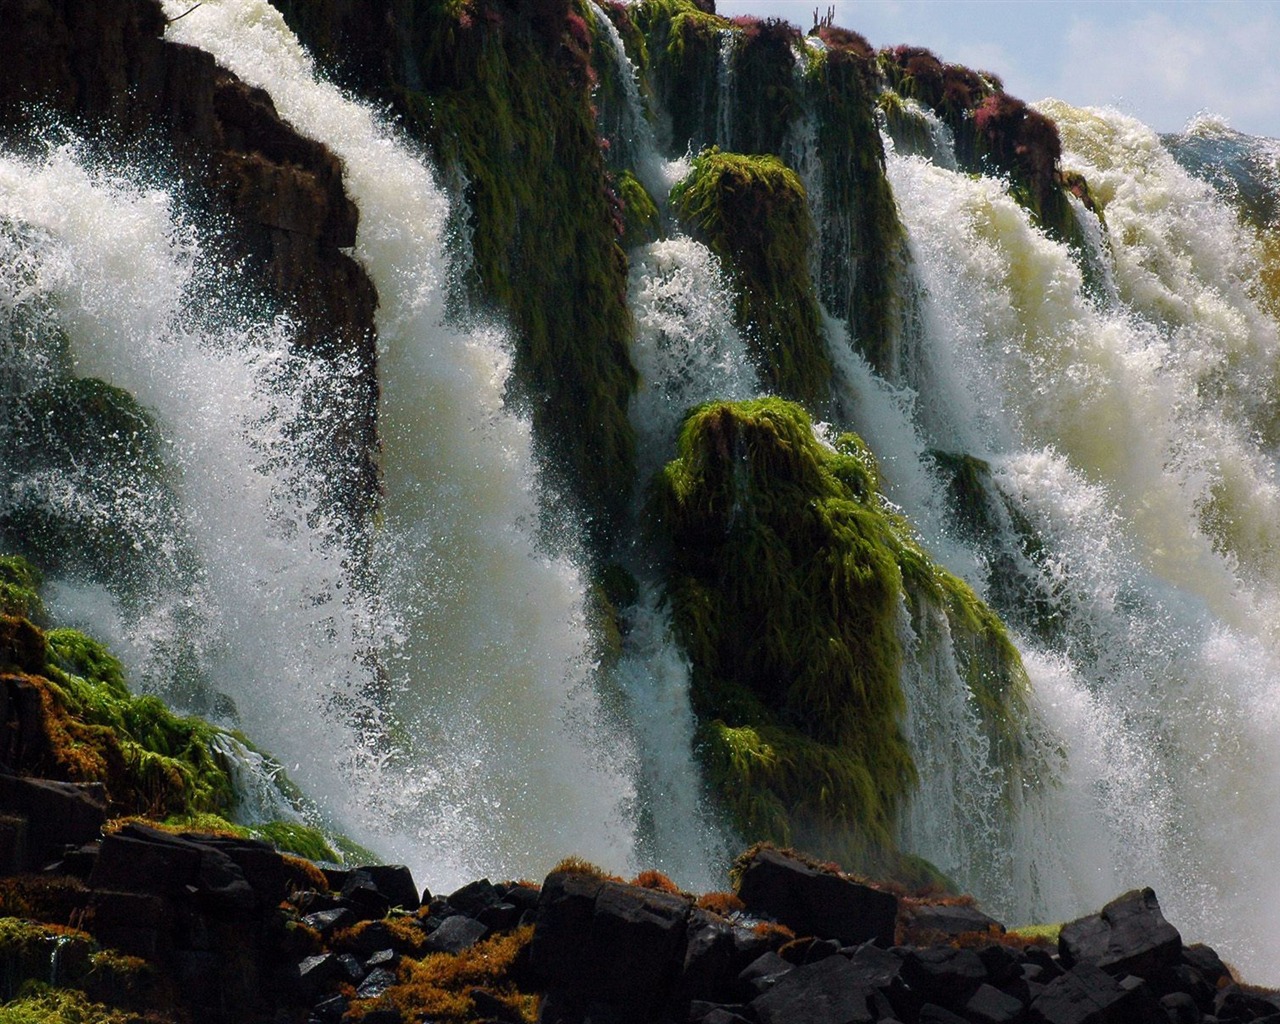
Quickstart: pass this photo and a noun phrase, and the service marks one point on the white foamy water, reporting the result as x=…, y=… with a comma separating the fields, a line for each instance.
x=1131, y=430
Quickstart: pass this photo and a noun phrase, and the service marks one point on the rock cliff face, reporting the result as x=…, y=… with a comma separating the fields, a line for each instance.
x=105, y=69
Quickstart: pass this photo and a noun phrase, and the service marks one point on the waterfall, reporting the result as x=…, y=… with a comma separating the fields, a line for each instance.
x=1131, y=435
x=443, y=706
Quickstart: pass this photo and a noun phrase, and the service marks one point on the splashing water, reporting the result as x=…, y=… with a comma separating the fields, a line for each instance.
x=1131, y=431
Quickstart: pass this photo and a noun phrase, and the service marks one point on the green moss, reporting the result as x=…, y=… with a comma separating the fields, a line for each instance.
x=639, y=212
x=20, y=588
x=785, y=588
x=683, y=44
x=39, y=1003
x=862, y=249
x=753, y=212
x=786, y=573
x=768, y=96
x=907, y=125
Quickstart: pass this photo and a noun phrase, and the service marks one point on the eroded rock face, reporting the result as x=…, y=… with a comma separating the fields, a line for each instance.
x=280, y=194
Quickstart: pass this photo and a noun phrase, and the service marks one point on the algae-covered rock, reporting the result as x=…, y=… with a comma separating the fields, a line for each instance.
x=785, y=591
x=788, y=577
x=754, y=213
x=640, y=220
x=500, y=92
x=684, y=49
x=862, y=245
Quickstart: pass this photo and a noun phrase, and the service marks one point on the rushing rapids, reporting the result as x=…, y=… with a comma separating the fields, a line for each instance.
x=1077, y=418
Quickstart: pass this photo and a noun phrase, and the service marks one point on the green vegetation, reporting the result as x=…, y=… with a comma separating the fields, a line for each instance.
x=683, y=49
x=862, y=244
x=786, y=574
x=20, y=588
x=639, y=212
x=152, y=763
x=753, y=212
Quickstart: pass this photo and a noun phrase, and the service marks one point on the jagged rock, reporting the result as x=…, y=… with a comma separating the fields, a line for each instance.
x=361, y=894
x=378, y=981
x=1180, y=1008
x=1086, y=994
x=395, y=882
x=48, y=816
x=314, y=973
x=1129, y=936
x=146, y=860
x=814, y=902
x=602, y=942
x=474, y=897
x=989, y=1005
x=716, y=954
x=328, y=921
x=764, y=972
x=456, y=934
x=827, y=992
x=943, y=974
x=950, y=919
x=1232, y=1003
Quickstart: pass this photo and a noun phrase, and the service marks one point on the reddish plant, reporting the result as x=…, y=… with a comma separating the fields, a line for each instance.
x=845, y=41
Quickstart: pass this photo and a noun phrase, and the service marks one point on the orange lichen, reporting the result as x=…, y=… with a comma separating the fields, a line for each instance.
x=722, y=903
x=442, y=987
x=657, y=881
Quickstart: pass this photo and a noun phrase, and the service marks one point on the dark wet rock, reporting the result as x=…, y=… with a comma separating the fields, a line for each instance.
x=932, y=1013
x=362, y=895
x=328, y=921
x=765, y=971
x=314, y=974
x=826, y=992
x=1180, y=1008
x=1129, y=936
x=989, y=1005
x=378, y=981
x=46, y=816
x=331, y=1010
x=603, y=942
x=456, y=934
x=717, y=952
x=1086, y=994
x=474, y=897
x=395, y=882
x=141, y=859
x=943, y=974
x=810, y=901
x=949, y=919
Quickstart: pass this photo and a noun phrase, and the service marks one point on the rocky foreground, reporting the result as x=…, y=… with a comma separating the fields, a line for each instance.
x=143, y=923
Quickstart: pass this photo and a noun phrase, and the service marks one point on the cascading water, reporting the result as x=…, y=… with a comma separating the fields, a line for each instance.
x=1131, y=434
x=441, y=706
x=439, y=695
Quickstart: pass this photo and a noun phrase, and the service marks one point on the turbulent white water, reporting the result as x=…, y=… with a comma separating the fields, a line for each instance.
x=442, y=707
x=444, y=704
x=1134, y=432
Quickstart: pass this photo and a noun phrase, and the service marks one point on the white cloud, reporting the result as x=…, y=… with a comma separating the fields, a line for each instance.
x=1164, y=67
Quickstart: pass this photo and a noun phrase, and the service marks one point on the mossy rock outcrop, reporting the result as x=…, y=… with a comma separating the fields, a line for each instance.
x=753, y=212
x=788, y=577
x=501, y=94
x=69, y=716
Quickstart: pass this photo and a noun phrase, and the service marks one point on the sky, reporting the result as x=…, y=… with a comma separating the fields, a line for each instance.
x=1163, y=61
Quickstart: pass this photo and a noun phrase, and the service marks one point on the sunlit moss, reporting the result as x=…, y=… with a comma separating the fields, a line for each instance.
x=787, y=575
x=753, y=212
